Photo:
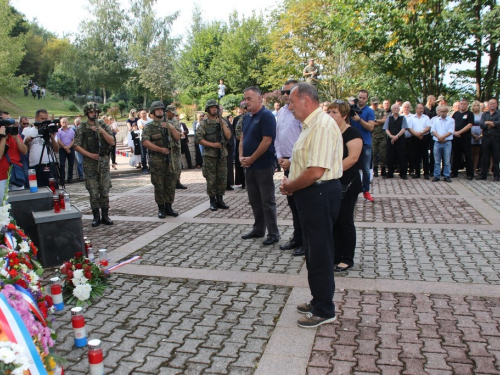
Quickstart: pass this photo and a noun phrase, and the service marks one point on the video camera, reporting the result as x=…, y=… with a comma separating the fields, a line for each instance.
x=12, y=130
x=47, y=127
x=354, y=108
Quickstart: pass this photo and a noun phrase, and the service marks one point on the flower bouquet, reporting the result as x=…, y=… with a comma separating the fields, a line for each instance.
x=84, y=280
x=25, y=331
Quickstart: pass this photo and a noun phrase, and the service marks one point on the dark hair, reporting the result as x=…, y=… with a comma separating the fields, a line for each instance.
x=254, y=89
x=290, y=82
x=306, y=89
x=399, y=100
x=364, y=91
x=37, y=113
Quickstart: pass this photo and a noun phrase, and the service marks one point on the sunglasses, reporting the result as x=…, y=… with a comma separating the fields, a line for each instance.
x=283, y=92
x=338, y=101
x=25, y=123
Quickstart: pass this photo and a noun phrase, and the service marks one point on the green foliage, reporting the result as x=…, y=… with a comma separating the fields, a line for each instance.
x=205, y=98
x=12, y=48
x=231, y=101
x=113, y=111
x=72, y=107
x=62, y=83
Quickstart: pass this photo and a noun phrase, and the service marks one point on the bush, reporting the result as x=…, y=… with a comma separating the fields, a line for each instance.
x=113, y=111
x=72, y=108
x=189, y=111
x=205, y=98
x=231, y=101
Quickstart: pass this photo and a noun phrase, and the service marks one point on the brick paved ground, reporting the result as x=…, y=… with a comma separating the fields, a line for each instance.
x=423, y=297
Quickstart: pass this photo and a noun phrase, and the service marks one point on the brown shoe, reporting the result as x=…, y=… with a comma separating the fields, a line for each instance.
x=313, y=321
x=304, y=308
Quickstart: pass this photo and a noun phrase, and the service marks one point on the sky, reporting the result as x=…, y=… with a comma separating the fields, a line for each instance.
x=64, y=16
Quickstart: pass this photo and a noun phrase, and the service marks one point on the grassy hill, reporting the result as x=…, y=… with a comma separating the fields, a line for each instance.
x=19, y=105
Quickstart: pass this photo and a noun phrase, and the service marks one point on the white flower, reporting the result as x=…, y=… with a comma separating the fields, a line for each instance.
x=7, y=355
x=24, y=268
x=82, y=292
x=24, y=248
x=77, y=274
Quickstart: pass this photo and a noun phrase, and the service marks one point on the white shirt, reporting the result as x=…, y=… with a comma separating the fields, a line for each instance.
x=36, y=147
x=408, y=120
x=141, y=122
x=442, y=126
x=418, y=124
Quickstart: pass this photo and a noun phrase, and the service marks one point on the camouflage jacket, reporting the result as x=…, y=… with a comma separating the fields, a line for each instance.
x=310, y=69
x=152, y=132
x=377, y=130
x=92, y=141
x=176, y=144
x=211, y=131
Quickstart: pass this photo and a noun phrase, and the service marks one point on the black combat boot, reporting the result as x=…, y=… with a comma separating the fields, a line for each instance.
x=375, y=171
x=105, y=217
x=97, y=217
x=169, y=211
x=220, y=202
x=161, y=211
x=178, y=185
x=383, y=172
x=213, y=204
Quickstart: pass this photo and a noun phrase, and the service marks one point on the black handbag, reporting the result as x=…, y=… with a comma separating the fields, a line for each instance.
x=17, y=177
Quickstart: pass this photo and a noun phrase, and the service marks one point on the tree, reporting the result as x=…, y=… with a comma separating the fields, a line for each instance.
x=412, y=40
x=242, y=54
x=152, y=50
x=481, y=20
x=54, y=52
x=61, y=83
x=12, y=48
x=101, y=45
x=195, y=60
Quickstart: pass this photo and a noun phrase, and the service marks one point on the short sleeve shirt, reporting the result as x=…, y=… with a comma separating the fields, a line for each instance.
x=255, y=127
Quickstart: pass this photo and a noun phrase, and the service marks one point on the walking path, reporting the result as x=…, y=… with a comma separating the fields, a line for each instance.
x=423, y=297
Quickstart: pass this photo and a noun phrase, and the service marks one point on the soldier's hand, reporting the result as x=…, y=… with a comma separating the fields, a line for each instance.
x=165, y=151
x=217, y=145
x=164, y=124
x=94, y=156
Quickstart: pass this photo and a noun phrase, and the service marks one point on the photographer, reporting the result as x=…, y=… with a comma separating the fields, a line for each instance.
x=41, y=163
x=12, y=145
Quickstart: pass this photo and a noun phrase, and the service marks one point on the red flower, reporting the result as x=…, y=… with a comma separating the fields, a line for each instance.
x=49, y=301
x=78, y=254
x=88, y=275
x=22, y=283
x=43, y=308
x=11, y=226
x=70, y=275
x=13, y=273
x=87, y=261
x=78, y=266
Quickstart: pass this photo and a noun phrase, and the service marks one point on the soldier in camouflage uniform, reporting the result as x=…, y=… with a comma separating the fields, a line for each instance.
x=93, y=140
x=378, y=138
x=158, y=137
x=311, y=72
x=212, y=134
x=176, y=145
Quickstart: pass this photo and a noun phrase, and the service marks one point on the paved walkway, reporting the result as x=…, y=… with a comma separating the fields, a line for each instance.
x=423, y=297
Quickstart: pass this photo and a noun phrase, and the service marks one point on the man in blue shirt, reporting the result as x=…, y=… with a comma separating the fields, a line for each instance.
x=257, y=157
x=365, y=122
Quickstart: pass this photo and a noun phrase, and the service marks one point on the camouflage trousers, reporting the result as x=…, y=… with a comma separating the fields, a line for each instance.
x=97, y=181
x=379, y=151
x=178, y=161
x=163, y=179
x=215, y=171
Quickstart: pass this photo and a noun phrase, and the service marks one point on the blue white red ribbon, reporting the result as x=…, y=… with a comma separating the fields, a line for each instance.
x=9, y=240
x=16, y=332
x=124, y=263
x=32, y=303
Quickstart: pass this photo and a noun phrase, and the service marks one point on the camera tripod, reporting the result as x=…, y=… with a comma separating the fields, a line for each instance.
x=55, y=168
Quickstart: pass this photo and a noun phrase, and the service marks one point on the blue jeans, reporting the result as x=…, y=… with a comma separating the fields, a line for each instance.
x=366, y=158
x=79, y=164
x=63, y=156
x=442, y=151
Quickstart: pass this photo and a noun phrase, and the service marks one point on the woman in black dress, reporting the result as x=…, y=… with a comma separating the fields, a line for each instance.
x=344, y=231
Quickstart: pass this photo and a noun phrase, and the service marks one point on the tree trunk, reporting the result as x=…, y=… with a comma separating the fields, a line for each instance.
x=103, y=94
x=144, y=103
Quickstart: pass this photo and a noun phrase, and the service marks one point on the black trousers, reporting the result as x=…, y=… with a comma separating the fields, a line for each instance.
x=431, y=153
x=396, y=152
x=197, y=154
x=185, y=151
x=462, y=146
x=297, y=229
x=230, y=165
x=318, y=207
x=490, y=148
x=344, y=231
x=420, y=153
x=239, y=172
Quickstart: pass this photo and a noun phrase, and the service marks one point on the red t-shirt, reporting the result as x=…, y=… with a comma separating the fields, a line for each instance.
x=14, y=155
